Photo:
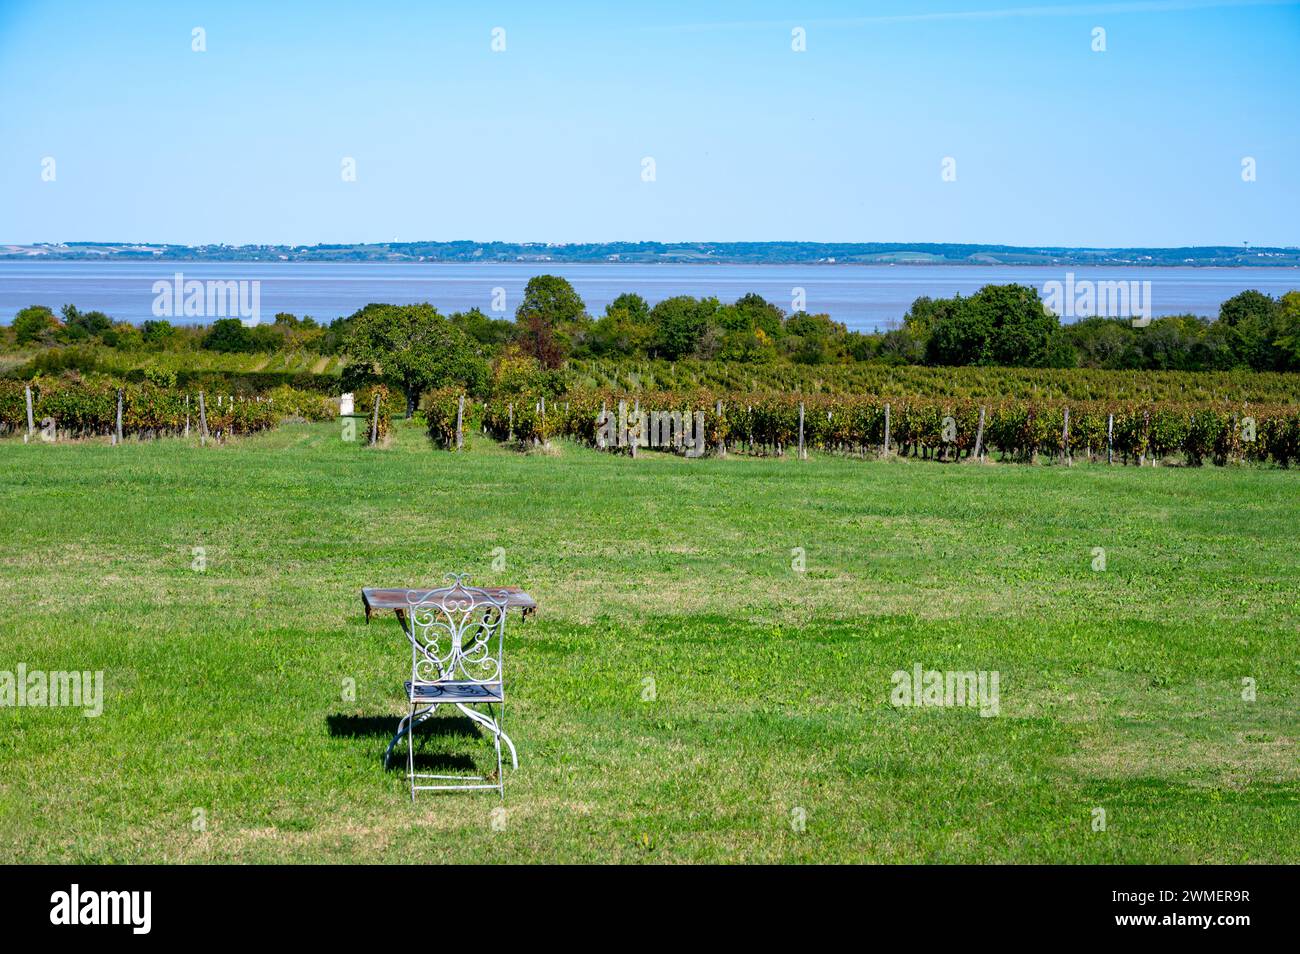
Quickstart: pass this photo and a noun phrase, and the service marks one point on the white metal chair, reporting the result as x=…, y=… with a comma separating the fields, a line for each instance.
x=456, y=634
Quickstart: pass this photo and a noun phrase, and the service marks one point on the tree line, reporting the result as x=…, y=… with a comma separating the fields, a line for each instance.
x=415, y=347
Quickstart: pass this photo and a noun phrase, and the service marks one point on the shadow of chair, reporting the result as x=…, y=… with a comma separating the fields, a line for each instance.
x=383, y=726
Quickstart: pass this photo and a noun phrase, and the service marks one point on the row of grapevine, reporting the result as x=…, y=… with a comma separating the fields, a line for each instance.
x=88, y=407
x=443, y=411
x=987, y=383
x=1019, y=430
x=531, y=420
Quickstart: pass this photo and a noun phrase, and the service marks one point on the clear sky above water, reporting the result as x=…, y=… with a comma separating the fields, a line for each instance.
x=1054, y=143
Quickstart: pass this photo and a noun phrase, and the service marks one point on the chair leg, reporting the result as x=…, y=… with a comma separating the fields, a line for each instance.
x=490, y=720
x=392, y=744
x=501, y=773
x=410, y=752
x=501, y=724
x=488, y=723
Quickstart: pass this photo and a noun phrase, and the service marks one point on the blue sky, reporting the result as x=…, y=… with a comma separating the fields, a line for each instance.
x=1054, y=143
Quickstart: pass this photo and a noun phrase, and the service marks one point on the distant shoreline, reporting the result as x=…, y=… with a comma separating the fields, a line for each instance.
x=124, y=260
x=659, y=253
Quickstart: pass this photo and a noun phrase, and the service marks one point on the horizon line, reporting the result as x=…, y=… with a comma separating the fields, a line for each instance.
x=674, y=242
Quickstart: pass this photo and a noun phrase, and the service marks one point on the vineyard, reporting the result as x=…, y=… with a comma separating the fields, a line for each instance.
x=1015, y=416
x=990, y=383
x=88, y=408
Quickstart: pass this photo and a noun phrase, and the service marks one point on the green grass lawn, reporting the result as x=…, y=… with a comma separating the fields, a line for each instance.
x=224, y=689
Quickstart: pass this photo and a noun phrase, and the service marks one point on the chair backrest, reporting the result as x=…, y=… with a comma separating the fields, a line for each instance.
x=457, y=632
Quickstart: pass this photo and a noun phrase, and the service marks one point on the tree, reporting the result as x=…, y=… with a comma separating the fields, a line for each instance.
x=331, y=342
x=1104, y=343
x=1246, y=307
x=414, y=348
x=901, y=346
x=1060, y=352
x=622, y=330
x=959, y=334
x=633, y=305
x=80, y=325
x=228, y=335
x=1218, y=351
x=1000, y=324
x=920, y=318
x=124, y=336
x=680, y=323
x=1022, y=327
x=549, y=319
x=1254, y=322
x=267, y=338
x=1288, y=337
x=157, y=331
x=518, y=374
x=749, y=345
x=859, y=346
x=1170, y=343
x=812, y=339
x=35, y=323
x=759, y=314
x=747, y=330
x=488, y=331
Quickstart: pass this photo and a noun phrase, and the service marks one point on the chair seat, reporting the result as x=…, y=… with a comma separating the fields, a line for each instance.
x=455, y=692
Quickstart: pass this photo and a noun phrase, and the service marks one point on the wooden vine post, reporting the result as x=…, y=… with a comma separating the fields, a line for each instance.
x=803, y=454
x=979, y=437
x=117, y=434
x=203, y=421
x=187, y=415
x=1110, y=438
x=1065, y=439
x=722, y=443
x=634, y=437
x=460, y=423
x=374, y=423
x=885, y=450
x=31, y=423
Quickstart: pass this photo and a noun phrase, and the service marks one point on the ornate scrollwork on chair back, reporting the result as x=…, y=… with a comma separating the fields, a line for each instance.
x=457, y=632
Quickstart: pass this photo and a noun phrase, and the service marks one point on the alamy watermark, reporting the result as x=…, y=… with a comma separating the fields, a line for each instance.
x=36, y=688
x=932, y=687
x=182, y=298
x=130, y=908
x=1085, y=298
